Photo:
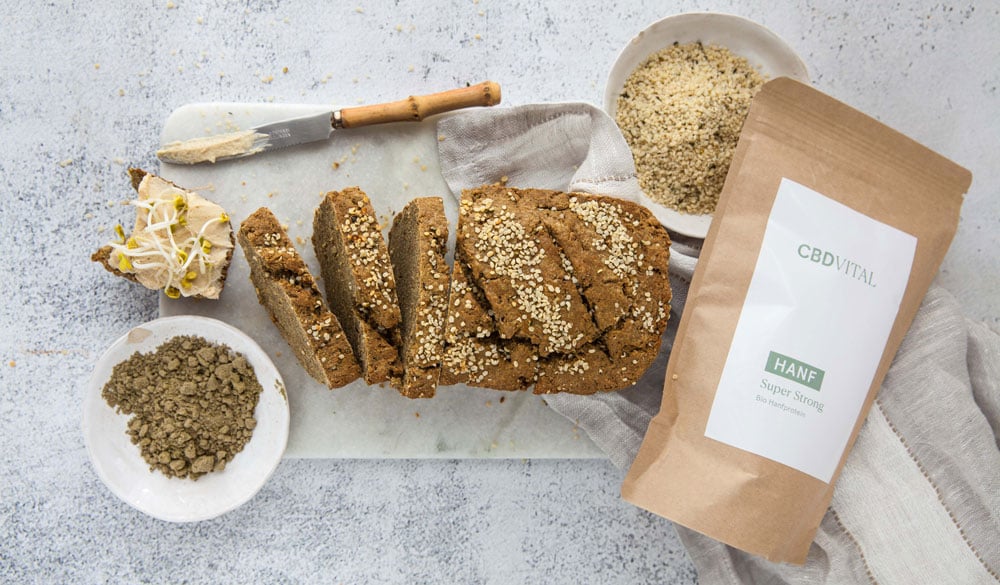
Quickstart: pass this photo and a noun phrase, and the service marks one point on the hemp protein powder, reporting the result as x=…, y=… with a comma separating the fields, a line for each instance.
x=192, y=404
x=681, y=112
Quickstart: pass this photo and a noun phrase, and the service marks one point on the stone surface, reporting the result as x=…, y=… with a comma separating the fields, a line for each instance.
x=86, y=89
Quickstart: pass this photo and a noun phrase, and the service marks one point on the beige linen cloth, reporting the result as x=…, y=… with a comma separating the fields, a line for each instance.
x=919, y=497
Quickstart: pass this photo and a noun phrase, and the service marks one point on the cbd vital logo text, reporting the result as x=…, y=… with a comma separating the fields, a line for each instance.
x=845, y=266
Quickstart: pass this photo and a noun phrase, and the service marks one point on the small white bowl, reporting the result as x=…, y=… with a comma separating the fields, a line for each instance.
x=761, y=47
x=121, y=467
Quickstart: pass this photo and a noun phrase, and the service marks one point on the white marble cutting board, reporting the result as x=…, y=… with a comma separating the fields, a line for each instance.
x=393, y=164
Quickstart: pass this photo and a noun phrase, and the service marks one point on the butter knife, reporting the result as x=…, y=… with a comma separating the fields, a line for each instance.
x=315, y=127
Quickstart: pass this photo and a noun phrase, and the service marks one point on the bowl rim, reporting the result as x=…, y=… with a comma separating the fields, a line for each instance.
x=797, y=67
x=631, y=55
x=154, y=333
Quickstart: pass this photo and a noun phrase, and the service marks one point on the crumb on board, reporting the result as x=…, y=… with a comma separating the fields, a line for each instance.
x=12, y=363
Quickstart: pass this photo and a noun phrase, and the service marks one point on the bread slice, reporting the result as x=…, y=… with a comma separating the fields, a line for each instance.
x=418, y=242
x=357, y=275
x=288, y=291
x=475, y=354
x=580, y=278
x=210, y=252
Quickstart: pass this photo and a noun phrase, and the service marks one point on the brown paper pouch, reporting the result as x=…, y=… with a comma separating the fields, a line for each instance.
x=828, y=232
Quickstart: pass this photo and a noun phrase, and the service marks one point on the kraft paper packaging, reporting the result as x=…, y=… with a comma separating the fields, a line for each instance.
x=795, y=137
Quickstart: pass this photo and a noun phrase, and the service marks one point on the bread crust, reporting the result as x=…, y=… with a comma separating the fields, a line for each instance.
x=288, y=291
x=103, y=254
x=589, y=295
x=358, y=280
x=418, y=243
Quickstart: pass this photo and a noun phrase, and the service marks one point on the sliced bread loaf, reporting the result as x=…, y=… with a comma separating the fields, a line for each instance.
x=418, y=242
x=288, y=291
x=579, y=279
x=358, y=279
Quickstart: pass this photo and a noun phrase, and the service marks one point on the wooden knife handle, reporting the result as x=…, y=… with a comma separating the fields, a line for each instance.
x=418, y=107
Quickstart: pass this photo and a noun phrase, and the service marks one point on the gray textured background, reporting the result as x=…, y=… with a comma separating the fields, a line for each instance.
x=84, y=89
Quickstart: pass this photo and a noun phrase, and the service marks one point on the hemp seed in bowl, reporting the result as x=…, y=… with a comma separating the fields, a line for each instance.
x=681, y=112
x=679, y=92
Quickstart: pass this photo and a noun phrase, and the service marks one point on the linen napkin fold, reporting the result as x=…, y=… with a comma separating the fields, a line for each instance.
x=918, y=500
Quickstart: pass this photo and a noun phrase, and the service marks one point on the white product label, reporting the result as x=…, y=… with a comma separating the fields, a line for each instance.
x=821, y=303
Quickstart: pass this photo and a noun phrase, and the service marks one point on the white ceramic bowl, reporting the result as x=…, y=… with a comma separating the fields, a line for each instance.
x=761, y=47
x=119, y=464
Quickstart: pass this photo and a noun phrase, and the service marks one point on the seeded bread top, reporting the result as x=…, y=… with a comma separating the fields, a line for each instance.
x=611, y=258
x=475, y=354
x=418, y=242
x=510, y=253
x=373, y=287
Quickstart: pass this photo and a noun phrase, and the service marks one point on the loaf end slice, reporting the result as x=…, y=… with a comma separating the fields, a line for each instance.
x=617, y=253
x=288, y=291
x=579, y=279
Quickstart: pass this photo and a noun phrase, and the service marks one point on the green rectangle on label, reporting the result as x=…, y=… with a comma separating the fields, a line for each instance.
x=794, y=370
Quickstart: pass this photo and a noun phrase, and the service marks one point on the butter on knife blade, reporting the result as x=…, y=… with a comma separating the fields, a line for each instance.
x=319, y=126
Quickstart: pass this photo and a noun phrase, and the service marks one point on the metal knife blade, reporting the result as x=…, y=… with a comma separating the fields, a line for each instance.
x=263, y=138
x=314, y=127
